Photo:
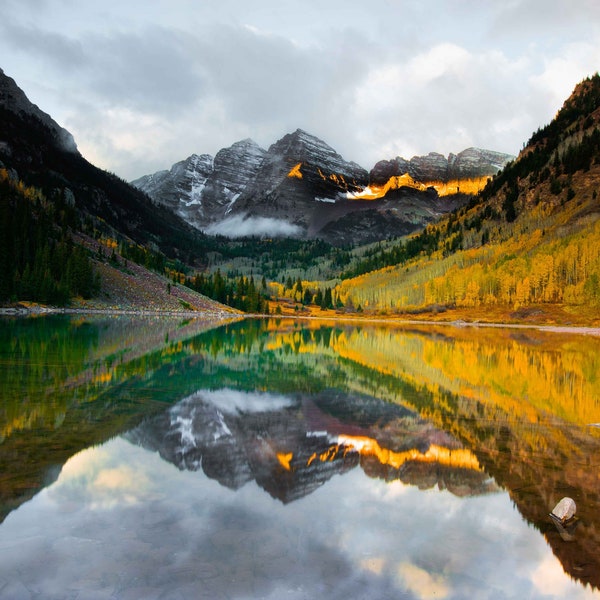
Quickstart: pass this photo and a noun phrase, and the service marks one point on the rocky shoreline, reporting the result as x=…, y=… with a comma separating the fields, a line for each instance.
x=23, y=311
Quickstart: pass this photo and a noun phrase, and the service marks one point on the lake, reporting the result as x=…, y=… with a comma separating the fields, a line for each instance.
x=148, y=457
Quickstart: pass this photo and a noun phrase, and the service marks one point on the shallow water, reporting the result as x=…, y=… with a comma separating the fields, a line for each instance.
x=153, y=458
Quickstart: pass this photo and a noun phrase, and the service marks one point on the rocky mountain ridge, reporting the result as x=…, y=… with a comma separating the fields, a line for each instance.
x=302, y=182
x=468, y=164
x=13, y=99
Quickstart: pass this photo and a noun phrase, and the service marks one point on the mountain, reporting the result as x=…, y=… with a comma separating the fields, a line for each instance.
x=528, y=244
x=278, y=187
x=66, y=225
x=302, y=186
x=202, y=189
x=296, y=446
x=298, y=173
x=14, y=100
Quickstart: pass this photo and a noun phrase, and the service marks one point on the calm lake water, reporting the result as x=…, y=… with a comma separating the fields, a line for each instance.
x=145, y=458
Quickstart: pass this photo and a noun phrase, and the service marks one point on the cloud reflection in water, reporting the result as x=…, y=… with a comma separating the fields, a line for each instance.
x=121, y=521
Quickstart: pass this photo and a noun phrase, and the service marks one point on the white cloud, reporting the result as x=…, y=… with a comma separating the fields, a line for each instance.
x=444, y=100
x=421, y=583
x=549, y=578
x=242, y=226
x=233, y=401
x=561, y=72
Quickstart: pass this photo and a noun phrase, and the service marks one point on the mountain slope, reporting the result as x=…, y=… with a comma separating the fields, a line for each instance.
x=43, y=154
x=180, y=188
x=531, y=237
x=64, y=221
x=202, y=189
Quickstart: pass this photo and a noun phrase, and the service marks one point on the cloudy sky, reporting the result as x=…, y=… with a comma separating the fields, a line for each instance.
x=144, y=83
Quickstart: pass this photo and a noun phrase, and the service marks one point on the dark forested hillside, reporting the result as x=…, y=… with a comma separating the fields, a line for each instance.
x=106, y=201
x=38, y=258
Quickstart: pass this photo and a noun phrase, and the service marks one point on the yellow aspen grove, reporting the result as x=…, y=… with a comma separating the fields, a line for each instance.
x=472, y=294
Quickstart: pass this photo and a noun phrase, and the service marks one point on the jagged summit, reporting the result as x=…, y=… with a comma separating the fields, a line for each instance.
x=13, y=99
x=302, y=146
x=244, y=180
x=471, y=163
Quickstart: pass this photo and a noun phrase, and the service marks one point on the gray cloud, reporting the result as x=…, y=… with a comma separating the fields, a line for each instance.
x=145, y=84
x=46, y=45
x=149, y=71
x=546, y=20
x=260, y=77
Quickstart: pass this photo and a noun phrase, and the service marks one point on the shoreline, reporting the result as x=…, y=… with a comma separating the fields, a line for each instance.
x=459, y=323
x=26, y=311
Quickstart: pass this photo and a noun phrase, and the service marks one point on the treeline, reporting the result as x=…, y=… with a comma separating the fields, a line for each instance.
x=306, y=293
x=563, y=270
x=38, y=260
x=241, y=293
x=151, y=259
x=275, y=257
x=425, y=242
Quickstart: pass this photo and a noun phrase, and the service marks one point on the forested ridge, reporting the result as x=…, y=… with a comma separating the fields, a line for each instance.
x=531, y=236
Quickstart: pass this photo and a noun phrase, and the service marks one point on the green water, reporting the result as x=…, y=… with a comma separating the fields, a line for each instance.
x=296, y=459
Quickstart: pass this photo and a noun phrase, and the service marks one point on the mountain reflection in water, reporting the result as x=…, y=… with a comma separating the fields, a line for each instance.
x=451, y=446
x=292, y=445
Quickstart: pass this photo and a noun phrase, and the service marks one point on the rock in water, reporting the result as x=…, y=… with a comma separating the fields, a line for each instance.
x=564, y=510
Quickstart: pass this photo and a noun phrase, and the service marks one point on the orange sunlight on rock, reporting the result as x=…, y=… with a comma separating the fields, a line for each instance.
x=459, y=457
x=285, y=459
x=443, y=188
x=295, y=171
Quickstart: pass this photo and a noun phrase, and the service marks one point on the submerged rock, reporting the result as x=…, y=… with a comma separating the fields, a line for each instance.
x=564, y=510
x=564, y=519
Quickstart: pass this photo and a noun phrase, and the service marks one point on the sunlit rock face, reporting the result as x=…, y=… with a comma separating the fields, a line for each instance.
x=13, y=99
x=299, y=172
x=434, y=168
